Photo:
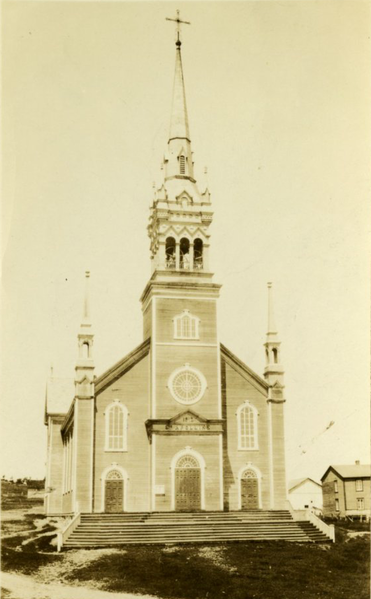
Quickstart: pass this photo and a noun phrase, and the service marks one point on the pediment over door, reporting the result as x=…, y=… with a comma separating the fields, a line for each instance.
x=187, y=422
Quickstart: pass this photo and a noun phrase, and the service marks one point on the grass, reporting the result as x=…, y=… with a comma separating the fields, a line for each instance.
x=272, y=570
x=246, y=570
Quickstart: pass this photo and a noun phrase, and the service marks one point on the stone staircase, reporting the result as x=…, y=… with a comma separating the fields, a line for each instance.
x=100, y=530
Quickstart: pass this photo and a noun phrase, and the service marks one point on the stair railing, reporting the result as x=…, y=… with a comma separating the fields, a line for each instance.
x=64, y=534
x=327, y=529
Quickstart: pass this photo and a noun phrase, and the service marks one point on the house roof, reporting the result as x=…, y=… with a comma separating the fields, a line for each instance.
x=59, y=395
x=350, y=471
x=293, y=484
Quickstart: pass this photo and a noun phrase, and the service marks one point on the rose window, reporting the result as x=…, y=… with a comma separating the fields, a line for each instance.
x=187, y=385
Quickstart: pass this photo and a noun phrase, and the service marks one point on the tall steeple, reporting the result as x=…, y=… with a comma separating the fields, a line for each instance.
x=273, y=371
x=180, y=214
x=85, y=364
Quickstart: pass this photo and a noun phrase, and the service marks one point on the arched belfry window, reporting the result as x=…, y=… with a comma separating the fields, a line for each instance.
x=85, y=350
x=198, y=253
x=247, y=426
x=186, y=326
x=184, y=253
x=116, y=416
x=170, y=252
x=275, y=355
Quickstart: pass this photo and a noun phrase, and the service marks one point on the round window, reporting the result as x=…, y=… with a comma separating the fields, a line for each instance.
x=187, y=385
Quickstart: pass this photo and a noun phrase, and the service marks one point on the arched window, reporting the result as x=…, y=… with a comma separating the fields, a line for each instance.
x=116, y=427
x=85, y=350
x=198, y=254
x=247, y=425
x=275, y=355
x=186, y=326
x=170, y=252
x=184, y=253
x=182, y=162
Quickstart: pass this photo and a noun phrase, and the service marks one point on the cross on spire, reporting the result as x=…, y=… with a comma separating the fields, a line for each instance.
x=178, y=22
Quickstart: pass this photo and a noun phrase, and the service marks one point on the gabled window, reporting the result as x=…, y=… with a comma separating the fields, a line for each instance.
x=359, y=484
x=247, y=426
x=116, y=427
x=186, y=326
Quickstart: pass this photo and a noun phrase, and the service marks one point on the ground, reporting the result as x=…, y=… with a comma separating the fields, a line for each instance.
x=274, y=570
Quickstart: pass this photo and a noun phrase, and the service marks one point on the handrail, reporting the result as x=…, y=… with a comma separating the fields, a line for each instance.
x=63, y=535
x=327, y=529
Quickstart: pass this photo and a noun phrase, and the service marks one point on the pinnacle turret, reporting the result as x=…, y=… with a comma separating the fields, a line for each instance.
x=273, y=371
x=85, y=363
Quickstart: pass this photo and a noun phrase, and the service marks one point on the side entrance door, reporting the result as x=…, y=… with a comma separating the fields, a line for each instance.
x=249, y=492
x=114, y=496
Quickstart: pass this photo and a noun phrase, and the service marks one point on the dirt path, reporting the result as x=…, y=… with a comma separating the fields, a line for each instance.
x=24, y=587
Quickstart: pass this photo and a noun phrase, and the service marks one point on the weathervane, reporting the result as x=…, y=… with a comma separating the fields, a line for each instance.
x=178, y=21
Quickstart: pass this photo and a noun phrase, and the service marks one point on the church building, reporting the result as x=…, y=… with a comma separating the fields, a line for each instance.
x=180, y=423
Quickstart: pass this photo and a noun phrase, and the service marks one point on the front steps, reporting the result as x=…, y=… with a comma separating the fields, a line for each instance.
x=102, y=530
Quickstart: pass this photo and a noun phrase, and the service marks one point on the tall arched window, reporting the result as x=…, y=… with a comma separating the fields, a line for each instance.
x=247, y=425
x=186, y=326
x=116, y=427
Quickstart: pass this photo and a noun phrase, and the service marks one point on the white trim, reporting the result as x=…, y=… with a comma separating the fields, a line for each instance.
x=153, y=494
x=153, y=355
x=92, y=454
x=243, y=469
x=270, y=449
x=74, y=461
x=125, y=479
x=174, y=461
x=255, y=412
x=160, y=295
x=197, y=373
x=125, y=414
x=221, y=477
x=218, y=364
x=190, y=344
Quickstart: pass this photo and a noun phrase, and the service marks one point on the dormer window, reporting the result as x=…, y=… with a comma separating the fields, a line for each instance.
x=186, y=326
x=182, y=162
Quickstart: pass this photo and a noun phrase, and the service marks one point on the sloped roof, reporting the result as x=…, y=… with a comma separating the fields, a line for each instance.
x=59, y=395
x=351, y=471
x=118, y=369
x=241, y=367
x=293, y=484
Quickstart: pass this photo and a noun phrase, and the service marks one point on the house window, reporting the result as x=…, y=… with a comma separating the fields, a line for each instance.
x=247, y=426
x=116, y=427
x=360, y=503
x=337, y=505
x=359, y=484
x=336, y=489
x=186, y=326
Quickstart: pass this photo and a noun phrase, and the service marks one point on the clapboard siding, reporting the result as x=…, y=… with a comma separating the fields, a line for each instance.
x=278, y=445
x=55, y=456
x=132, y=390
x=236, y=389
x=84, y=430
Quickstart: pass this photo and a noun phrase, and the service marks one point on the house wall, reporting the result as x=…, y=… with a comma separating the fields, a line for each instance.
x=236, y=389
x=329, y=494
x=132, y=390
x=351, y=495
x=306, y=495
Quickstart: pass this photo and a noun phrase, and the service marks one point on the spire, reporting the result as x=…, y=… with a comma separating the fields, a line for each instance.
x=179, y=125
x=86, y=310
x=85, y=364
x=273, y=371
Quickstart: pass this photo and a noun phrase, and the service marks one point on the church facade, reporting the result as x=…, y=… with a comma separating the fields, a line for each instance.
x=179, y=424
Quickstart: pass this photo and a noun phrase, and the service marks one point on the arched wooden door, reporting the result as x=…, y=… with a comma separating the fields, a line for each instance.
x=187, y=484
x=114, y=492
x=249, y=491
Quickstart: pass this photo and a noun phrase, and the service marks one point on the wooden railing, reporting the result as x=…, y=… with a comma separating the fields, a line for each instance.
x=67, y=531
x=327, y=529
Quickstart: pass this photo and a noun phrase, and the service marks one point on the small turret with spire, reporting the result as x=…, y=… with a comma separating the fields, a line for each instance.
x=273, y=372
x=180, y=214
x=85, y=364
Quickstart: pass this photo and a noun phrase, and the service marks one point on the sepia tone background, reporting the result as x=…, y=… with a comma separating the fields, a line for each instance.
x=278, y=98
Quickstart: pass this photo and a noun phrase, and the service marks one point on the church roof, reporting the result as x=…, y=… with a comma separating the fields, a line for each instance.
x=59, y=395
x=350, y=471
x=243, y=369
x=118, y=369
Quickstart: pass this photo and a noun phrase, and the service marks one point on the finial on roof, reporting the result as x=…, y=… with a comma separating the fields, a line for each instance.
x=271, y=320
x=86, y=314
x=178, y=22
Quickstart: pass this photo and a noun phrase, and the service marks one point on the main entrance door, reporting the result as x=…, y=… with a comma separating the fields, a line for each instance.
x=187, y=485
x=114, y=492
x=249, y=491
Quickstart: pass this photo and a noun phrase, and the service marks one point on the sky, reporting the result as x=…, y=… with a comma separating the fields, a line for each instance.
x=278, y=97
